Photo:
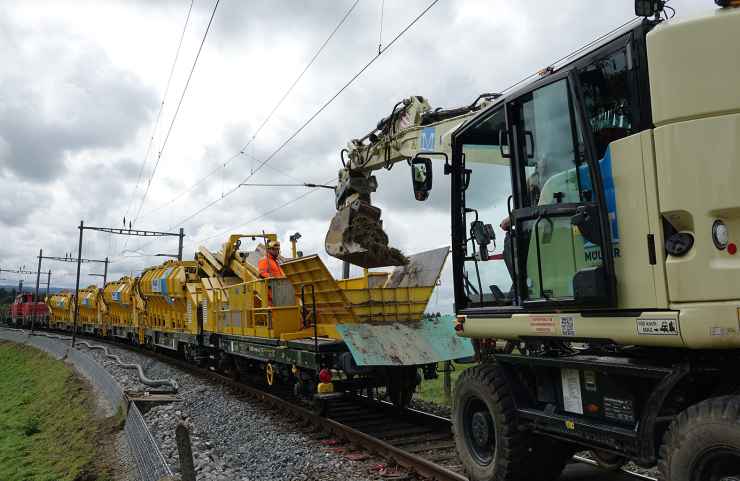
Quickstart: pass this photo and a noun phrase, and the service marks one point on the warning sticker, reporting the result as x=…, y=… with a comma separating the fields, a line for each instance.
x=572, y=390
x=657, y=327
x=542, y=325
x=619, y=409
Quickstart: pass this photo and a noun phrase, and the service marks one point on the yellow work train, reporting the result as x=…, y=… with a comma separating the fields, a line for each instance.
x=303, y=328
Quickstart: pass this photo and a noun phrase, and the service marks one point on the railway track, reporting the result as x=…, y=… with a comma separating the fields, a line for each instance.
x=418, y=442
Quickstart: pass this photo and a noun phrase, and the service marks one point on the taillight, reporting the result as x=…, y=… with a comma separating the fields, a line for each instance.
x=325, y=376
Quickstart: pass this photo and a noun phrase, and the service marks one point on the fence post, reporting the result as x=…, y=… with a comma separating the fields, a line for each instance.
x=187, y=470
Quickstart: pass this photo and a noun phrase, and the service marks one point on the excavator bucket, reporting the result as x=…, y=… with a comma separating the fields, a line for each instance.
x=339, y=246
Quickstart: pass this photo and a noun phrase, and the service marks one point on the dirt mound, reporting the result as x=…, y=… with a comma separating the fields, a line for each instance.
x=371, y=236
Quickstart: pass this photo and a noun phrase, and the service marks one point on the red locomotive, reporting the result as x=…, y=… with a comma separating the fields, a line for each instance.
x=20, y=311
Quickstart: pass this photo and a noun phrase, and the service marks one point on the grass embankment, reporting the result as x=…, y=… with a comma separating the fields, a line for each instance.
x=434, y=390
x=46, y=432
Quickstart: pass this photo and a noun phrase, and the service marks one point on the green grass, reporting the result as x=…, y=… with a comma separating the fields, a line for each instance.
x=45, y=431
x=434, y=390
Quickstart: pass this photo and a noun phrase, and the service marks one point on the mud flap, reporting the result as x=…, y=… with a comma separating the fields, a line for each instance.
x=404, y=343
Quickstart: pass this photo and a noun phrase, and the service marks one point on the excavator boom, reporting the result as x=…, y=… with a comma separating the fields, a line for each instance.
x=414, y=127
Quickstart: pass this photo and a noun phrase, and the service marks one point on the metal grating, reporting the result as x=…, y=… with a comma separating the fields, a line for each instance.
x=148, y=457
x=14, y=335
x=52, y=347
x=107, y=383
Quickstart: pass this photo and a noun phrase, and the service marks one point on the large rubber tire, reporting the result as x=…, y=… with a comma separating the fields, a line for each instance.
x=703, y=442
x=484, y=425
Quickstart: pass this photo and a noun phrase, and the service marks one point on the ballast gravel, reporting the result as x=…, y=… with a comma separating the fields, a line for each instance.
x=231, y=440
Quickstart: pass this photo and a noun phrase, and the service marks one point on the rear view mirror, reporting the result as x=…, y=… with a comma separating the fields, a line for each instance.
x=421, y=177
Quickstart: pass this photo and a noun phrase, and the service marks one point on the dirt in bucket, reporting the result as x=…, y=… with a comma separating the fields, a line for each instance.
x=371, y=236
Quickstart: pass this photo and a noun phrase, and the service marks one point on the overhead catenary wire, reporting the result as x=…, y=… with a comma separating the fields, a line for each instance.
x=380, y=37
x=248, y=222
x=161, y=107
x=566, y=56
x=310, y=119
x=290, y=185
x=177, y=110
x=342, y=89
x=252, y=139
x=290, y=139
x=206, y=177
x=258, y=217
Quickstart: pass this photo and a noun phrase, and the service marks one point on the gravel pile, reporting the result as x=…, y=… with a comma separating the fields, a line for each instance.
x=231, y=440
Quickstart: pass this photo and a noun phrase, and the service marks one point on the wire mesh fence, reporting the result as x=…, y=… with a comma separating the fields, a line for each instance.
x=107, y=383
x=151, y=463
x=52, y=347
x=149, y=459
x=16, y=336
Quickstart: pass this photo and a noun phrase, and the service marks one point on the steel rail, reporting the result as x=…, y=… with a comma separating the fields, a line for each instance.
x=407, y=460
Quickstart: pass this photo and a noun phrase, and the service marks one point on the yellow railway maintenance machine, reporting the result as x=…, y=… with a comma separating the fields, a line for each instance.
x=303, y=328
x=127, y=315
x=92, y=311
x=61, y=311
x=595, y=224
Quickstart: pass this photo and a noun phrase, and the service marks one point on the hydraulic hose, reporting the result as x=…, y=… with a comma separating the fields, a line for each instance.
x=149, y=382
x=142, y=376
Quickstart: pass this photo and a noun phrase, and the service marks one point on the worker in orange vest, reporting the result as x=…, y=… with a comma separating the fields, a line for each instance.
x=269, y=266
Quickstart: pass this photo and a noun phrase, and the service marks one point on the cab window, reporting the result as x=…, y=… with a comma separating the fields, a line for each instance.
x=605, y=88
x=488, y=272
x=551, y=147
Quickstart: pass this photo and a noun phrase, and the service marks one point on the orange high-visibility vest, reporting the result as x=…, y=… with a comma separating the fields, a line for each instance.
x=272, y=269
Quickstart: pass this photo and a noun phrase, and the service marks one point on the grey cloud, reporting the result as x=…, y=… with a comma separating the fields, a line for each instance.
x=63, y=100
x=18, y=203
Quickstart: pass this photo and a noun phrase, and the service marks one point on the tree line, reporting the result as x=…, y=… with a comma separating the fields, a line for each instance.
x=6, y=299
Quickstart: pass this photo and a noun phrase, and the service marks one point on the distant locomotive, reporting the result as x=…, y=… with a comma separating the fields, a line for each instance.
x=21, y=310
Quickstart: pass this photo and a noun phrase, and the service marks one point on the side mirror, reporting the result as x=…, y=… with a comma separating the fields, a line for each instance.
x=648, y=8
x=421, y=177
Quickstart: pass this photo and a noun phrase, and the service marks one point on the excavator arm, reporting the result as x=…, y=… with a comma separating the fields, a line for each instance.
x=412, y=128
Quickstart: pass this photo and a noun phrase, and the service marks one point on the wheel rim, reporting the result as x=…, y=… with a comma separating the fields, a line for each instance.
x=716, y=463
x=270, y=374
x=608, y=460
x=479, y=430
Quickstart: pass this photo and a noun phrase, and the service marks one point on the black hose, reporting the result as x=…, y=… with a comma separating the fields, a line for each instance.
x=142, y=376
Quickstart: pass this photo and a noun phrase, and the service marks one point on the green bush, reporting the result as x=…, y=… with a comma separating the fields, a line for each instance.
x=31, y=424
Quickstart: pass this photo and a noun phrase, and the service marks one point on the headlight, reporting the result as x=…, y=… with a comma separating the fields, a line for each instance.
x=720, y=234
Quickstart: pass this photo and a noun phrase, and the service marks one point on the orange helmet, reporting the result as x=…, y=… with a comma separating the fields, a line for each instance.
x=273, y=245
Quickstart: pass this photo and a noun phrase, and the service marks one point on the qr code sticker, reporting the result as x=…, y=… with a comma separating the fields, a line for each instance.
x=566, y=326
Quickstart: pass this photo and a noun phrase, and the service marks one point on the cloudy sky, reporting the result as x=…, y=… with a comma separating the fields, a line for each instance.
x=82, y=84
